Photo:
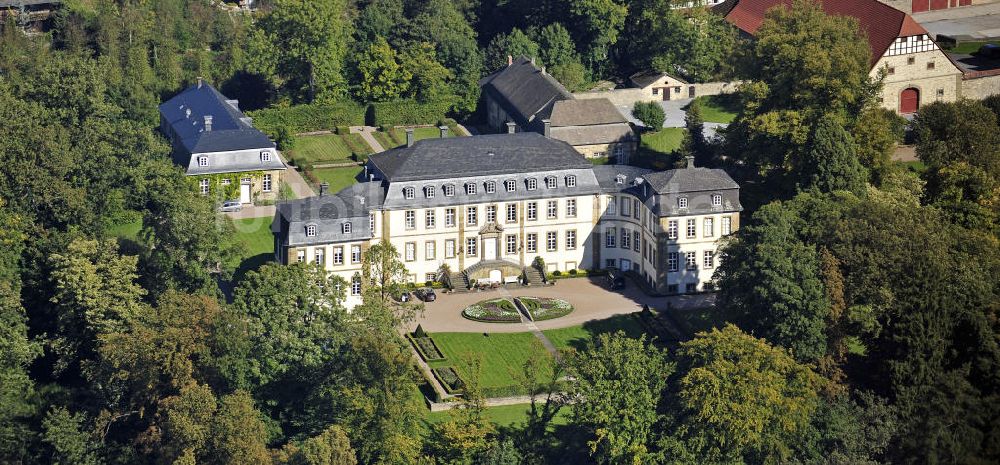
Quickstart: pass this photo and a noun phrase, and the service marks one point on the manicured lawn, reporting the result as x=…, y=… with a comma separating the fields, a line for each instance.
x=692, y=321
x=501, y=354
x=255, y=244
x=396, y=137
x=129, y=230
x=338, y=178
x=916, y=166
x=719, y=108
x=599, y=161
x=968, y=47
x=506, y=415
x=331, y=148
x=578, y=336
x=665, y=140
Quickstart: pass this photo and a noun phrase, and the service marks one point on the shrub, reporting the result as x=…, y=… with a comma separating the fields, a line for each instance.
x=308, y=117
x=402, y=112
x=557, y=273
x=572, y=272
x=539, y=264
x=284, y=138
x=342, y=130
x=427, y=349
x=449, y=378
x=650, y=113
x=419, y=332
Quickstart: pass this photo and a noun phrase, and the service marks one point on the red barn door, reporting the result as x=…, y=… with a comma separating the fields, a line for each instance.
x=909, y=100
x=939, y=4
x=919, y=5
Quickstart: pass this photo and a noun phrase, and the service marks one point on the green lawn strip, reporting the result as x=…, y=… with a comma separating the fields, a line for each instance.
x=286, y=191
x=663, y=141
x=357, y=144
x=968, y=47
x=695, y=320
x=385, y=140
x=719, y=108
x=502, y=355
x=577, y=336
x=320, y=148
x=916, y=166
x=505, y=415
x=128, y=230
x=599, y=160
x=338, y=178
x=255, y=244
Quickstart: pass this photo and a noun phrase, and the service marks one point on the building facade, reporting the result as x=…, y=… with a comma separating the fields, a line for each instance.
x=221, y=152
x=484, y=208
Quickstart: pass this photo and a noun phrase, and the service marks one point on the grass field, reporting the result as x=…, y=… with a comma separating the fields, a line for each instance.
x=502, y=355
x=719, y=108
x=916, y=166
x=577, y=336
x=696, y=320
x=128, y=230
x=968, y=47
x=665, y=140
x=329, y=148
x=396, y=137
x=338, y=178
x=507, y=415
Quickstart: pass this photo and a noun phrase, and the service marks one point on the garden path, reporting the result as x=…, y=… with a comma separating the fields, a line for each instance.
x=366, y=134
x=294, y=180
x=549, y=346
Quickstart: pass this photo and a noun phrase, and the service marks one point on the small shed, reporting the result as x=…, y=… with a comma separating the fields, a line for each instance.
x=662, y=85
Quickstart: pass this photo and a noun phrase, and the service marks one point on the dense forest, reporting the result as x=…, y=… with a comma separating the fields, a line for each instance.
x=857, y=309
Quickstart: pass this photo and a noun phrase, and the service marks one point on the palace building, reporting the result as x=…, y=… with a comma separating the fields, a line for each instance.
x=485, y=207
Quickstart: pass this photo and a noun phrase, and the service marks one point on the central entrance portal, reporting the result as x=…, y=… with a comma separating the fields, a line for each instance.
x=489, y=248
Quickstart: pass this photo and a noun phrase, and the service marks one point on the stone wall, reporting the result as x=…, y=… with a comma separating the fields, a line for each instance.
x=981, y=87
x=628, y=97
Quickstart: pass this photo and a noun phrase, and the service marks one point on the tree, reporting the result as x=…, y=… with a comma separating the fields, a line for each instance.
x=513, y=44
x=694, y=43
x=383, y=273
x=832, y=162
x=555, y=46
x=381, y=77
x=331, y=447
x=440, y=23
x=876, y=133
x=500, y=453
x=238, y=434
x=597, y=25
x=618, y=385
x=431, y=81
x=464, y=435
x=70, y=442
x=739, y=398
x=694, y=143
x=650, y=113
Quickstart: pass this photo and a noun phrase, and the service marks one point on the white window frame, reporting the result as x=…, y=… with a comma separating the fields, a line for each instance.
x=265, y=183
x=708, y=227
x=471, y=246
x=511, y=244
x=692, y=228
x=532, y=213
x=532, y=184
x=612, y=205
x=672, y=262
x=265, y=156
x=371, y=223
x=470, y=188
x=708, y=259
x=551, y=241
x=310, y=230
x=319, y=256
x=682, y=202
x=691, y=260
x=204, y=186
x=410, y=251
x=449, y=217
x=727, y=226
x=636, y=240
x=449, y=190
x=716, y=200
x=491, y=187
x=571, y=208
x=301, y=256
x=571, y=181
x=355, y=254
x=410, y=219
x=430, y=251
x=531, y=242
x=571, y=239
x=610, y=237
x=552, y=209
x=512, y=213
x=409, y=193
x=356, y=285
x=551, y=182
x=626, y=242
x=672, y=229
x=449, y=248
x=626, y=207
x=202, y=161
x=491, y=213
x=338, y=255
x=430, y=219
x=429, y=192
x=510, y=185
x=345, y=228
x=472, y=216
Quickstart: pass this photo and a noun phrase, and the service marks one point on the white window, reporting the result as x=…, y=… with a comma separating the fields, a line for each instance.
x=429, y=251
x=691, y=228
x=470, y=246
x=672, y=229
x=610, y=238
x=371, y=223
x=626, y=204
x=727, y=225
x=491, y=213
x=449, y=248
x=226, y=181
x=708, y=227
x=470, y=188
x=671, y=261
x=356, y=285
x=410, y=251
x=635, y=208
x=411, y=219
x=265, y=156
x=430, y=277
x=355, y=254
x=636, y=241
x=511, y=244
x=716, y=200
x=429, y=192
x=531, y=242
x=571, y=208
x=553, y=209
x=510, y=185
x=449, y=217
x=620, y=179
x=346, y=228
x=338, y=255
x=266, y=183
x=532, y=184
x=408, y=193
x=512, y=213
x=203, y=186
x=571, y=240
x=691, y=260
x=491, y=187
x=319, y=257
x=311, y=230
x=430, y=219
x=449, y=190
x=682, y=202
x=532, y=211
x=570, y=181
x=471, y=216
x=709, y=259
x=550, y=182
x=551, y=241
x=626, y=239
x=612, y=205
x=202, y=161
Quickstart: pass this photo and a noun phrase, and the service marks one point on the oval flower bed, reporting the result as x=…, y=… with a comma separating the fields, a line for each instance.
x=493, y=311
x=544, y=308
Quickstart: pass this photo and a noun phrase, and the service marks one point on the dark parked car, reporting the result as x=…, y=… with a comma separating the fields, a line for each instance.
x=404, y=296
x=426, y=294
x=615, y=279
x=989, y=51
x=231, y=206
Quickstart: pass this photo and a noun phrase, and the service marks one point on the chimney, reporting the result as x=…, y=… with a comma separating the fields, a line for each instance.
x=511, y=127
x=510, y=60
x=532, y=61
x=409, y=137
x=690, y=161
x=546, y=127
x=200, y=81
x=208, y=123
x=444, y=131
x=543, y=69
x=323, y=186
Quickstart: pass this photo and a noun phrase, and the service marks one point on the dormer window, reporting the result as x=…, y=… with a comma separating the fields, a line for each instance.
x=408, y=193
x=449, y=190
x=346, y=228
x=532, y=184
x=202, y=161
x=716, y=200
x=510, y=185
x=682, y=202
x=491, y=187
x=570, y=181
x=265, y=156
x=550, y=182
x=470, y=188
x=429, y=192
x=620, y=179
x=311, y=230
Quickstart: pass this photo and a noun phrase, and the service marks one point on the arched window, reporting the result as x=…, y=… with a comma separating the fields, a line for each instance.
x=716, y=200
x=449, y=190
x=265, y=156
x=202, y=161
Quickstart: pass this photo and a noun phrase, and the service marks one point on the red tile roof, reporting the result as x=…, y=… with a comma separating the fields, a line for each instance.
x=880, y=22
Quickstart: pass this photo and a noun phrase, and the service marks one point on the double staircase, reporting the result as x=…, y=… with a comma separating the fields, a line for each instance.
x=533, y=276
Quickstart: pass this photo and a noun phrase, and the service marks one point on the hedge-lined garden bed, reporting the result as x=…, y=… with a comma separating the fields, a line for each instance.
x=426, y=347
x=493, y=311
x=544, y=308
x=449, y=379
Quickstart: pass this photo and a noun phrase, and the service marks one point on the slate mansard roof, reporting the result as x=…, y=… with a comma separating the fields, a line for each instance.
x=231, y=130
x=329, y=213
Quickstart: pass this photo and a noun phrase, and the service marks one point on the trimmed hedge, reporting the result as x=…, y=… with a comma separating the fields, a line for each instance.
x=426, y=347
x=404, y=112
x=308, y=117
x=449, y=379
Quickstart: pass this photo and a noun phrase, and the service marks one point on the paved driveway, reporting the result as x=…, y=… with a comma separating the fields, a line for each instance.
x=976, y=21
x=673, y=110
x=591, y=301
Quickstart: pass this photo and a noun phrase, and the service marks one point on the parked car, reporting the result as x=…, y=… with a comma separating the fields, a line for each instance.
x=426, y=294
x=404, y=296
x=615, y=280
x=989, y=51
x=231, y=206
